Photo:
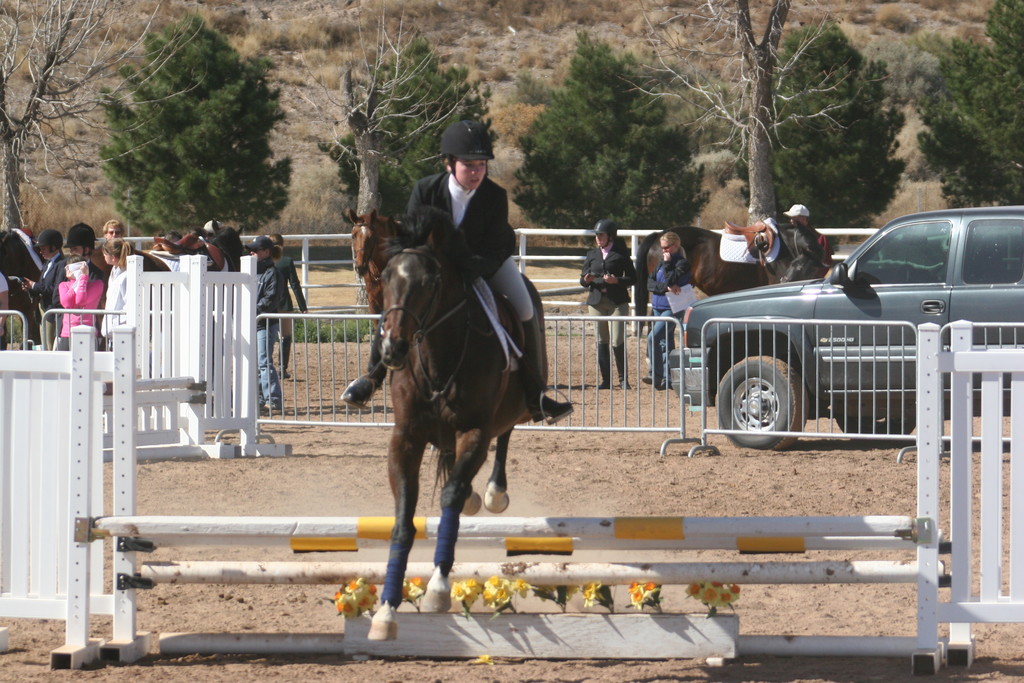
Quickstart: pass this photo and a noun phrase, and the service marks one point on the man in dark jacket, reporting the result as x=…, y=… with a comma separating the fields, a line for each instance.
x=50, y=244
x=270, y=292
x=608, y=273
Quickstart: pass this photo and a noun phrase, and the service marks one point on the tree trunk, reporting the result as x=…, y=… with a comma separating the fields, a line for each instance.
x=761, y=57
x=10, y=184
x=762, y=186
x=368, y=149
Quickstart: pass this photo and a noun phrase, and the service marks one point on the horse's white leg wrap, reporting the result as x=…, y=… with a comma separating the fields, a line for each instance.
x=438, y=596
x=383, y=626
x=495, y=500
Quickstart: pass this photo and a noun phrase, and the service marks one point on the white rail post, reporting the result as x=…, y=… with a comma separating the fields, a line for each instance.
x=77, y=649
x=193, y=335
x=247, y=365
x=928, y=657
x=962, y=495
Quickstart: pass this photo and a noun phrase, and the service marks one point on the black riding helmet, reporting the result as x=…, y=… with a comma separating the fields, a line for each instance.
x=51, y=238
x=81, y=235
x=608, y=227
x=467, y=140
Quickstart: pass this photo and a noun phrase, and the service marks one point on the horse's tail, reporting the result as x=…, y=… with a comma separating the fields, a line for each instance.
x=445, y=465
x=640, y=294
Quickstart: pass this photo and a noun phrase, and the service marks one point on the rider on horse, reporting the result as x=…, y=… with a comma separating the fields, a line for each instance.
x=479, y=209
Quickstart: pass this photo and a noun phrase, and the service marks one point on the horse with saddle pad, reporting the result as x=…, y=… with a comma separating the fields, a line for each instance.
x=452, y=385
x=370, y=234
x=768, y=256
x=18, y=262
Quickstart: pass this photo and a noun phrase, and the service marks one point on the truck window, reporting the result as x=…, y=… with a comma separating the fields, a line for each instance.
x=994, y=252
x=908, y=254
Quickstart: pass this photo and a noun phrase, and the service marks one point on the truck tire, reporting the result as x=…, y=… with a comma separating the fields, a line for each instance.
x=762, y=394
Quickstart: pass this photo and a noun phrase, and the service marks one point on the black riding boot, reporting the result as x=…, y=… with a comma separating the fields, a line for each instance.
x=604, y=365
x=286, y=354
x=620, y=363
x=534, y=368
x=360, y=391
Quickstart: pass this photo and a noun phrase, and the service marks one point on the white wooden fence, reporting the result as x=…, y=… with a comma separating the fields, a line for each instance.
x=50, y=469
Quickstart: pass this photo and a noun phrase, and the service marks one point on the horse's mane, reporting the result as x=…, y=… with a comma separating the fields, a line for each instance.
x=431, y=227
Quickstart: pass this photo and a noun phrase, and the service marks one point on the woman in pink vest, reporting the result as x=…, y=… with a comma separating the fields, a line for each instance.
x=78, y=292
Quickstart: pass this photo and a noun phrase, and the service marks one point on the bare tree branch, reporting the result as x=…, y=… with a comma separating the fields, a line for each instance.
x=56, y=54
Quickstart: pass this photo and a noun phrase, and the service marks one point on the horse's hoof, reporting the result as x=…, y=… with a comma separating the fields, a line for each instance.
x=438, y=596
x=472, y=504
x=384, y=626
x=387, y=630
x=436, y=602
x=495, y=501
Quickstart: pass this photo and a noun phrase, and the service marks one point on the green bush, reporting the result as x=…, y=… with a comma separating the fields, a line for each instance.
x=320, y=331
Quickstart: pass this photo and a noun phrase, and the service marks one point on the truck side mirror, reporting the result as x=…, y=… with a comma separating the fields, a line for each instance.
x=840, y=275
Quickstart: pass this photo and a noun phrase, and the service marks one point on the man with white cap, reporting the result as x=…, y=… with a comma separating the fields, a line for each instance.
x=801, y=215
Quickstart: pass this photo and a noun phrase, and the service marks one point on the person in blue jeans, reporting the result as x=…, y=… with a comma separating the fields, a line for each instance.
x=269, y=292
x=672, y=275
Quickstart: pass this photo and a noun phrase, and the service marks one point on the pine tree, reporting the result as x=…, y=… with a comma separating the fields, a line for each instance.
x=973, y=137
x=603, y=149
x=836, y=147
x=194, y=144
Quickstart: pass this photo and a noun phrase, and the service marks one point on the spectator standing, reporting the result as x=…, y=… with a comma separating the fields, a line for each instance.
x=801, y=215
x=115, y=252
x=608, y=273
x=672, y=274
x=286, y=265
x=50, y=244
x=270, y=290
x=113, y=229
x=78, y=291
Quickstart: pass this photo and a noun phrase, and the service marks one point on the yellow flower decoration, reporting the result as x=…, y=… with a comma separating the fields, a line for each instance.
x=466, y=592
x=412, y=591
x=354, y=598
x=714, y=594
x=645, y=595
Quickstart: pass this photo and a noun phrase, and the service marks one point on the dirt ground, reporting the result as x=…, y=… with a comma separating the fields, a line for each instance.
x=342, y=472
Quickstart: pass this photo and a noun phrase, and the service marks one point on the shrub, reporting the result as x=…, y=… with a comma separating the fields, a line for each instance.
x=895, y=19
x=336, y=331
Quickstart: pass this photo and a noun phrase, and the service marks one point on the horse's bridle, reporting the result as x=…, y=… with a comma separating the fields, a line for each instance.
x=428, y=324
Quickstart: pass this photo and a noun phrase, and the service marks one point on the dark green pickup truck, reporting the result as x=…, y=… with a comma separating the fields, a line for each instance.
x=854, y=363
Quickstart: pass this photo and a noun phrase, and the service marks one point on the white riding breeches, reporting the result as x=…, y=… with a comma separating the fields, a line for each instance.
x=508, y=282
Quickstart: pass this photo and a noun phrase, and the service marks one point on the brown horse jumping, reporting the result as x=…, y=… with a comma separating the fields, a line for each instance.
x=370, y=235
x=799, y=259
x=19, y=261
x=451, y=387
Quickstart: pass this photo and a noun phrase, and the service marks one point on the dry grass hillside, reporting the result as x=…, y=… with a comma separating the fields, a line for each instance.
x=310, y=42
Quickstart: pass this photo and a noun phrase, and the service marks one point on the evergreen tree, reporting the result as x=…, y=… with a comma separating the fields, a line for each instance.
x=603, y=149
x=836, y=142
x=410, y=107
x=194, y=143
x=974, y=136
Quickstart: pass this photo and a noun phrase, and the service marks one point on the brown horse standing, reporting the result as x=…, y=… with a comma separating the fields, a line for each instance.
x=799, y=259
x=18, y=260
x=451, y=387
x=370, y=235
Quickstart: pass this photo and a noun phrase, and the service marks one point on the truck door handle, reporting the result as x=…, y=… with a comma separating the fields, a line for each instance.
x=933, y=306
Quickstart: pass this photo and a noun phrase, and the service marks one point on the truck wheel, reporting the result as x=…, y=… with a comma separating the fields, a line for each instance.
x=762, y=394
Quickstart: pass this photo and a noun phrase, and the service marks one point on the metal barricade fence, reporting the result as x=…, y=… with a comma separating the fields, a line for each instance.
x=774, y=380
x=8, y=330
x=329, y=351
